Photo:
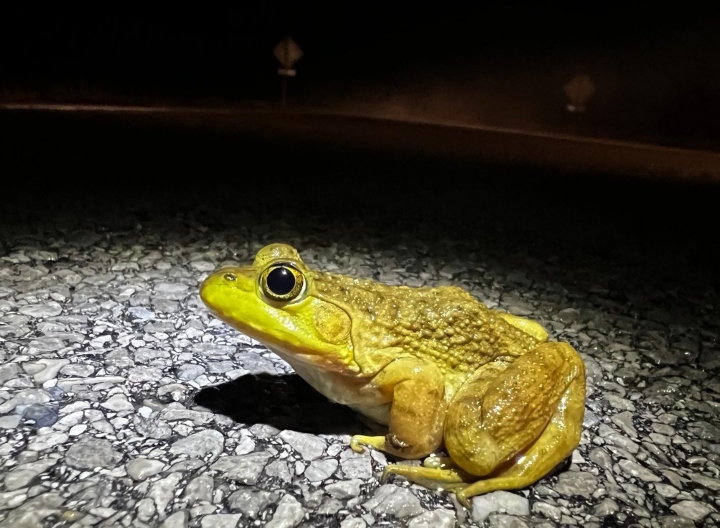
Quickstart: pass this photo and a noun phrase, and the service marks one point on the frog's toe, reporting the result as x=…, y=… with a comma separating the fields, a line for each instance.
x=356, y=445
x=464, y=499
x=386, y=473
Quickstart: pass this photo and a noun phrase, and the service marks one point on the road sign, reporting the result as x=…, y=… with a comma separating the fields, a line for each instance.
x=578, y=90
x=287, y=52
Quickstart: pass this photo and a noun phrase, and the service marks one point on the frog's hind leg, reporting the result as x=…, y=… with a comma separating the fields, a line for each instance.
x=514, y=427
x=430, y=477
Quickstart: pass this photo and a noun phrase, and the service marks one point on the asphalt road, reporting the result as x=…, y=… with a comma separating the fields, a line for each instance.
x=475, y=143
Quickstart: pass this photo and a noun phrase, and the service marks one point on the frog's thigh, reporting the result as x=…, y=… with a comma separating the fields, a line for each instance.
x=489, y=424
x=417, y=413
x=555, y=444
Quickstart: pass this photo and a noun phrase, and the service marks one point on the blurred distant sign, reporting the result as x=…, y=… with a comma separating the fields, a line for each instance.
x=287, y=52
x=578, y=90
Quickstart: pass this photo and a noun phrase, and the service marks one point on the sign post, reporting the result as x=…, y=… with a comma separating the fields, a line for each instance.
x=287, y=53
x=578, y=90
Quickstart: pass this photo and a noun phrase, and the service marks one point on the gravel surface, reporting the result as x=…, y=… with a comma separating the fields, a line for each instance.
x=123, y=402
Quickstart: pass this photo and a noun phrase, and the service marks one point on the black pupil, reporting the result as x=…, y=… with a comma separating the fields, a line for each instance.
x=281, y=281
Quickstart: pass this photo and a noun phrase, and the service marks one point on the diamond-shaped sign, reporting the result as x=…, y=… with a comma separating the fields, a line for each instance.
x=287, y=52
x=579, y=89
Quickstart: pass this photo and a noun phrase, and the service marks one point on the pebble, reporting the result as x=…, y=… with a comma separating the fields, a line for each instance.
x=624, y=421
x=196, y=417
x=47, y=441
x=693, y=510
x=344, y=489
x=199, y=489
x=484, y=505
x=21, y=476
x=9, y=371
x=279, y=469
x=144, y=374
x=605, y=507
x=178, y=519
x=77, y=430
x=10, y=422
x=288, y=514
x=255, y=363
x=310, y=447
x=25, y=397
x=190, y=371
x=390, y=499
x=41, y=415
x=251, y=502
x=571, y=483
x=705, y=431
x=12, y=499
x=90, y=453
x=117, y=403
x=200, y=444
x=355, y=465
x=245, y=445
x=142, y=468
x=49, y=369
x=221, y=520
x=548, y=510
x=433, y=519
x=78, y=370
x=145, y=509
x=47, y=309
x=162, y=491
x=633, y=469
x=319, y=470
x=244, y=468
x=32, y=512
x=353, y=522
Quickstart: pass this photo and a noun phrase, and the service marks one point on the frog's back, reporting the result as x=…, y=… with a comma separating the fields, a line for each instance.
x=444, y=325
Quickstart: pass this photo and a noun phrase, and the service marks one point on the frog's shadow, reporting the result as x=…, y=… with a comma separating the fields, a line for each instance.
x=283, y=401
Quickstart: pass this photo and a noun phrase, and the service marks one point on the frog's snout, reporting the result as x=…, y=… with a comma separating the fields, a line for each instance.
x=226, y=285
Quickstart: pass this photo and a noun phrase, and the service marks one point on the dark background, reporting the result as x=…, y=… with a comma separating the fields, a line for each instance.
x=655, y=72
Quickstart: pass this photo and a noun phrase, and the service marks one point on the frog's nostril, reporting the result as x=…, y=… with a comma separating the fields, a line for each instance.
x=229, y=277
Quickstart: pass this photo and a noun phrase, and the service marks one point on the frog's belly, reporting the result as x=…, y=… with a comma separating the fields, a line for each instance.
x=347, y=390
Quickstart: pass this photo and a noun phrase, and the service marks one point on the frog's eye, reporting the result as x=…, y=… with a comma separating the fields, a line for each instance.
x=282, y=282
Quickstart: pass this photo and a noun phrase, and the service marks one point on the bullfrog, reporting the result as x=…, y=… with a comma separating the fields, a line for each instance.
x=436, y=366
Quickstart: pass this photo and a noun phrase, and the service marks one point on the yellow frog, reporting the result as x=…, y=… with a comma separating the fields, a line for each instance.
x=433, y=364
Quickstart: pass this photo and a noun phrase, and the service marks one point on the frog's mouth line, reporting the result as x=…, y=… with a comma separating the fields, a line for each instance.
x=292, y=353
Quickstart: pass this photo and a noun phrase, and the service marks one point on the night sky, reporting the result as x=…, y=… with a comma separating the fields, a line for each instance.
x=654, y=73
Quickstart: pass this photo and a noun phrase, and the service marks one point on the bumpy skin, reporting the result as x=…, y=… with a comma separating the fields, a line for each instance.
x=433, y=364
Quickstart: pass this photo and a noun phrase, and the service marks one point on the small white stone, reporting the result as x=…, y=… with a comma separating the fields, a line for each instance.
x=77, y=430
x=117, y=403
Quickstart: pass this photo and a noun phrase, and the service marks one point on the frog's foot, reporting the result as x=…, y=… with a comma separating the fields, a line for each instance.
x=433, y=478
x=359, y=442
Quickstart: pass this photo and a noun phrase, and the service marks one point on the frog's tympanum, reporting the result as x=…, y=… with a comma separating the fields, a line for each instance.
x=433, y=364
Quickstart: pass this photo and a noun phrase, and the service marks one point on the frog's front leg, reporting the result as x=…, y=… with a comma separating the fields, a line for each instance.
x=417, y=413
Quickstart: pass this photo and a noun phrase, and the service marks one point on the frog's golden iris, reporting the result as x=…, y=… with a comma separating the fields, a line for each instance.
x=282, y=282
x=433, y=364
